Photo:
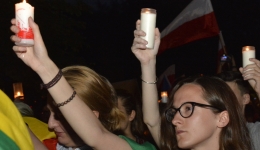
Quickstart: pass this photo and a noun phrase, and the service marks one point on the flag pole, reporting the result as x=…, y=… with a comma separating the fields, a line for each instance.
x=222, y=42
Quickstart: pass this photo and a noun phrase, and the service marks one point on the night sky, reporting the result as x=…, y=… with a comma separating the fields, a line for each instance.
x=99, y=34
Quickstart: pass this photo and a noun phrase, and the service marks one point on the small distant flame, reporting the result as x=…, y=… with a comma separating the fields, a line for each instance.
x=164, y=94
x=24, y=1
x=18, y=93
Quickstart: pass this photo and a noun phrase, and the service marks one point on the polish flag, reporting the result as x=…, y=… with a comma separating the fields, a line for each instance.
x=196, y=21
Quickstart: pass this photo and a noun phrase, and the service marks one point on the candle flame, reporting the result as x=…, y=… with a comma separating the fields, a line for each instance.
x=18, y=93
x=164, y=94
x=24, y=1
x=248, y=48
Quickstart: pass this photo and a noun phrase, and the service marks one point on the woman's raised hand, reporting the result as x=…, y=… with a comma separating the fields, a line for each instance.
x=35, y=56
x=252, y=73
x=143, y=54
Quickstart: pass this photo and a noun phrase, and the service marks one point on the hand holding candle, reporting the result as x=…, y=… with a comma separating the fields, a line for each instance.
x=23, y=11
x=148, y=21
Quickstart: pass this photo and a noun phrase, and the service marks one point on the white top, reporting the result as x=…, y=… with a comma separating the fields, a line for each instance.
x=61, y=147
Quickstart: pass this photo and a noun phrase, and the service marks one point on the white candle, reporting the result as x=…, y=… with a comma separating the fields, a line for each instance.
x=164, y=96
x=23, y=11
x=248, y=52
x=148, y=21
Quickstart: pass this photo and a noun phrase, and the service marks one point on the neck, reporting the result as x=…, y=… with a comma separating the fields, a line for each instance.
x=129, y=134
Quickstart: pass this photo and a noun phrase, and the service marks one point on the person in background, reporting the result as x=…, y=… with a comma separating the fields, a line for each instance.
x=23, y=108
x=241, y=88
x=226, y=63
x=133, y=127
x=202, y=112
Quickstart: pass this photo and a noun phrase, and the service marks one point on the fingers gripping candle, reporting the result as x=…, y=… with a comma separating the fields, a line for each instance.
x=23, y=11
x=248, y=52
x=148, y=21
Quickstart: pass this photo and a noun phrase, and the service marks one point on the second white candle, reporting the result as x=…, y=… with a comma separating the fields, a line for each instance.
x=148, y=21
x=248, y=52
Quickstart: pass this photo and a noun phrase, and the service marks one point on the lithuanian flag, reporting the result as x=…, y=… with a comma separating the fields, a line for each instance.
x=13, y=131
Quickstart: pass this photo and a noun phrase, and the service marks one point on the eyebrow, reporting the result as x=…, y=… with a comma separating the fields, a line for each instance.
x=174, y=107
x=182, y=104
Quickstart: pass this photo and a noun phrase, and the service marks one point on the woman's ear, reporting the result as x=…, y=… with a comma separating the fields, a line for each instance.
x=223, y=119
x=246, y=99
x=96, y=113
x=132, y=115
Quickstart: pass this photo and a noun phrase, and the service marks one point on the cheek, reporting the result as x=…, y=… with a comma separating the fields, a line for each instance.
x=62, y=127
x=200, y=129
x=203, y=122
x=204, y=125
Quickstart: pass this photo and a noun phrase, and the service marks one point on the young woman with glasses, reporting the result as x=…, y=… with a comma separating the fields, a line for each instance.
x=202, y=112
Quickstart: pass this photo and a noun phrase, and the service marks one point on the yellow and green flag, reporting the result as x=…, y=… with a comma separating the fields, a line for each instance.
x=13, y=132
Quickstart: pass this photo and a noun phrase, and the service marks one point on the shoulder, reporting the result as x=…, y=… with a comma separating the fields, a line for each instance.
x=254, y=130
x=253, y=126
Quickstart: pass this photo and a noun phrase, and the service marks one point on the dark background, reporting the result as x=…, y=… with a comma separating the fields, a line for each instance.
x=99, y=34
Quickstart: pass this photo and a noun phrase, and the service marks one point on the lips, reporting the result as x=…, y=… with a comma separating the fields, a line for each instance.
x=178, y=132
x=58, y=134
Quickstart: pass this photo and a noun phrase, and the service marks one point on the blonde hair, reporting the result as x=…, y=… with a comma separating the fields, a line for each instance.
x=97, y=92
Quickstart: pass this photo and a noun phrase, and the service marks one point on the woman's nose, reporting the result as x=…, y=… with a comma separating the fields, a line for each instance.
x=177, y=119
x=52, y=122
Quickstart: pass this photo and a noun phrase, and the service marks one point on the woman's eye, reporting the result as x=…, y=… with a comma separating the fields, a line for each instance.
x=187, y=108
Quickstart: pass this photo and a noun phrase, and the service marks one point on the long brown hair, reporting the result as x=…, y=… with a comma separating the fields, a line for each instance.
x=217, y=93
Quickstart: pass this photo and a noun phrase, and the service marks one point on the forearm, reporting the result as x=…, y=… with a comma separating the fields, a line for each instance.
x=150, y=100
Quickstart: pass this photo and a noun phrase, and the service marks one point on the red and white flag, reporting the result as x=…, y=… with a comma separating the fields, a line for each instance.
x=196, y=21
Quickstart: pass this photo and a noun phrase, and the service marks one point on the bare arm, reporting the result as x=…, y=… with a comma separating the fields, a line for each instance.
x=147, y=58
x=76, y=112
x=38, y=145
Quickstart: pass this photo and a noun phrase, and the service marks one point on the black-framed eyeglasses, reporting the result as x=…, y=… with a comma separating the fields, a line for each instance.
x=185, y=110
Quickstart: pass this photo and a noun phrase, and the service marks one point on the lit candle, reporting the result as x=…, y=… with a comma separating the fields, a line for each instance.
x=164, y=96
x=23, y=11
x=248, y=52
x=148, y=21
x=18, y=93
